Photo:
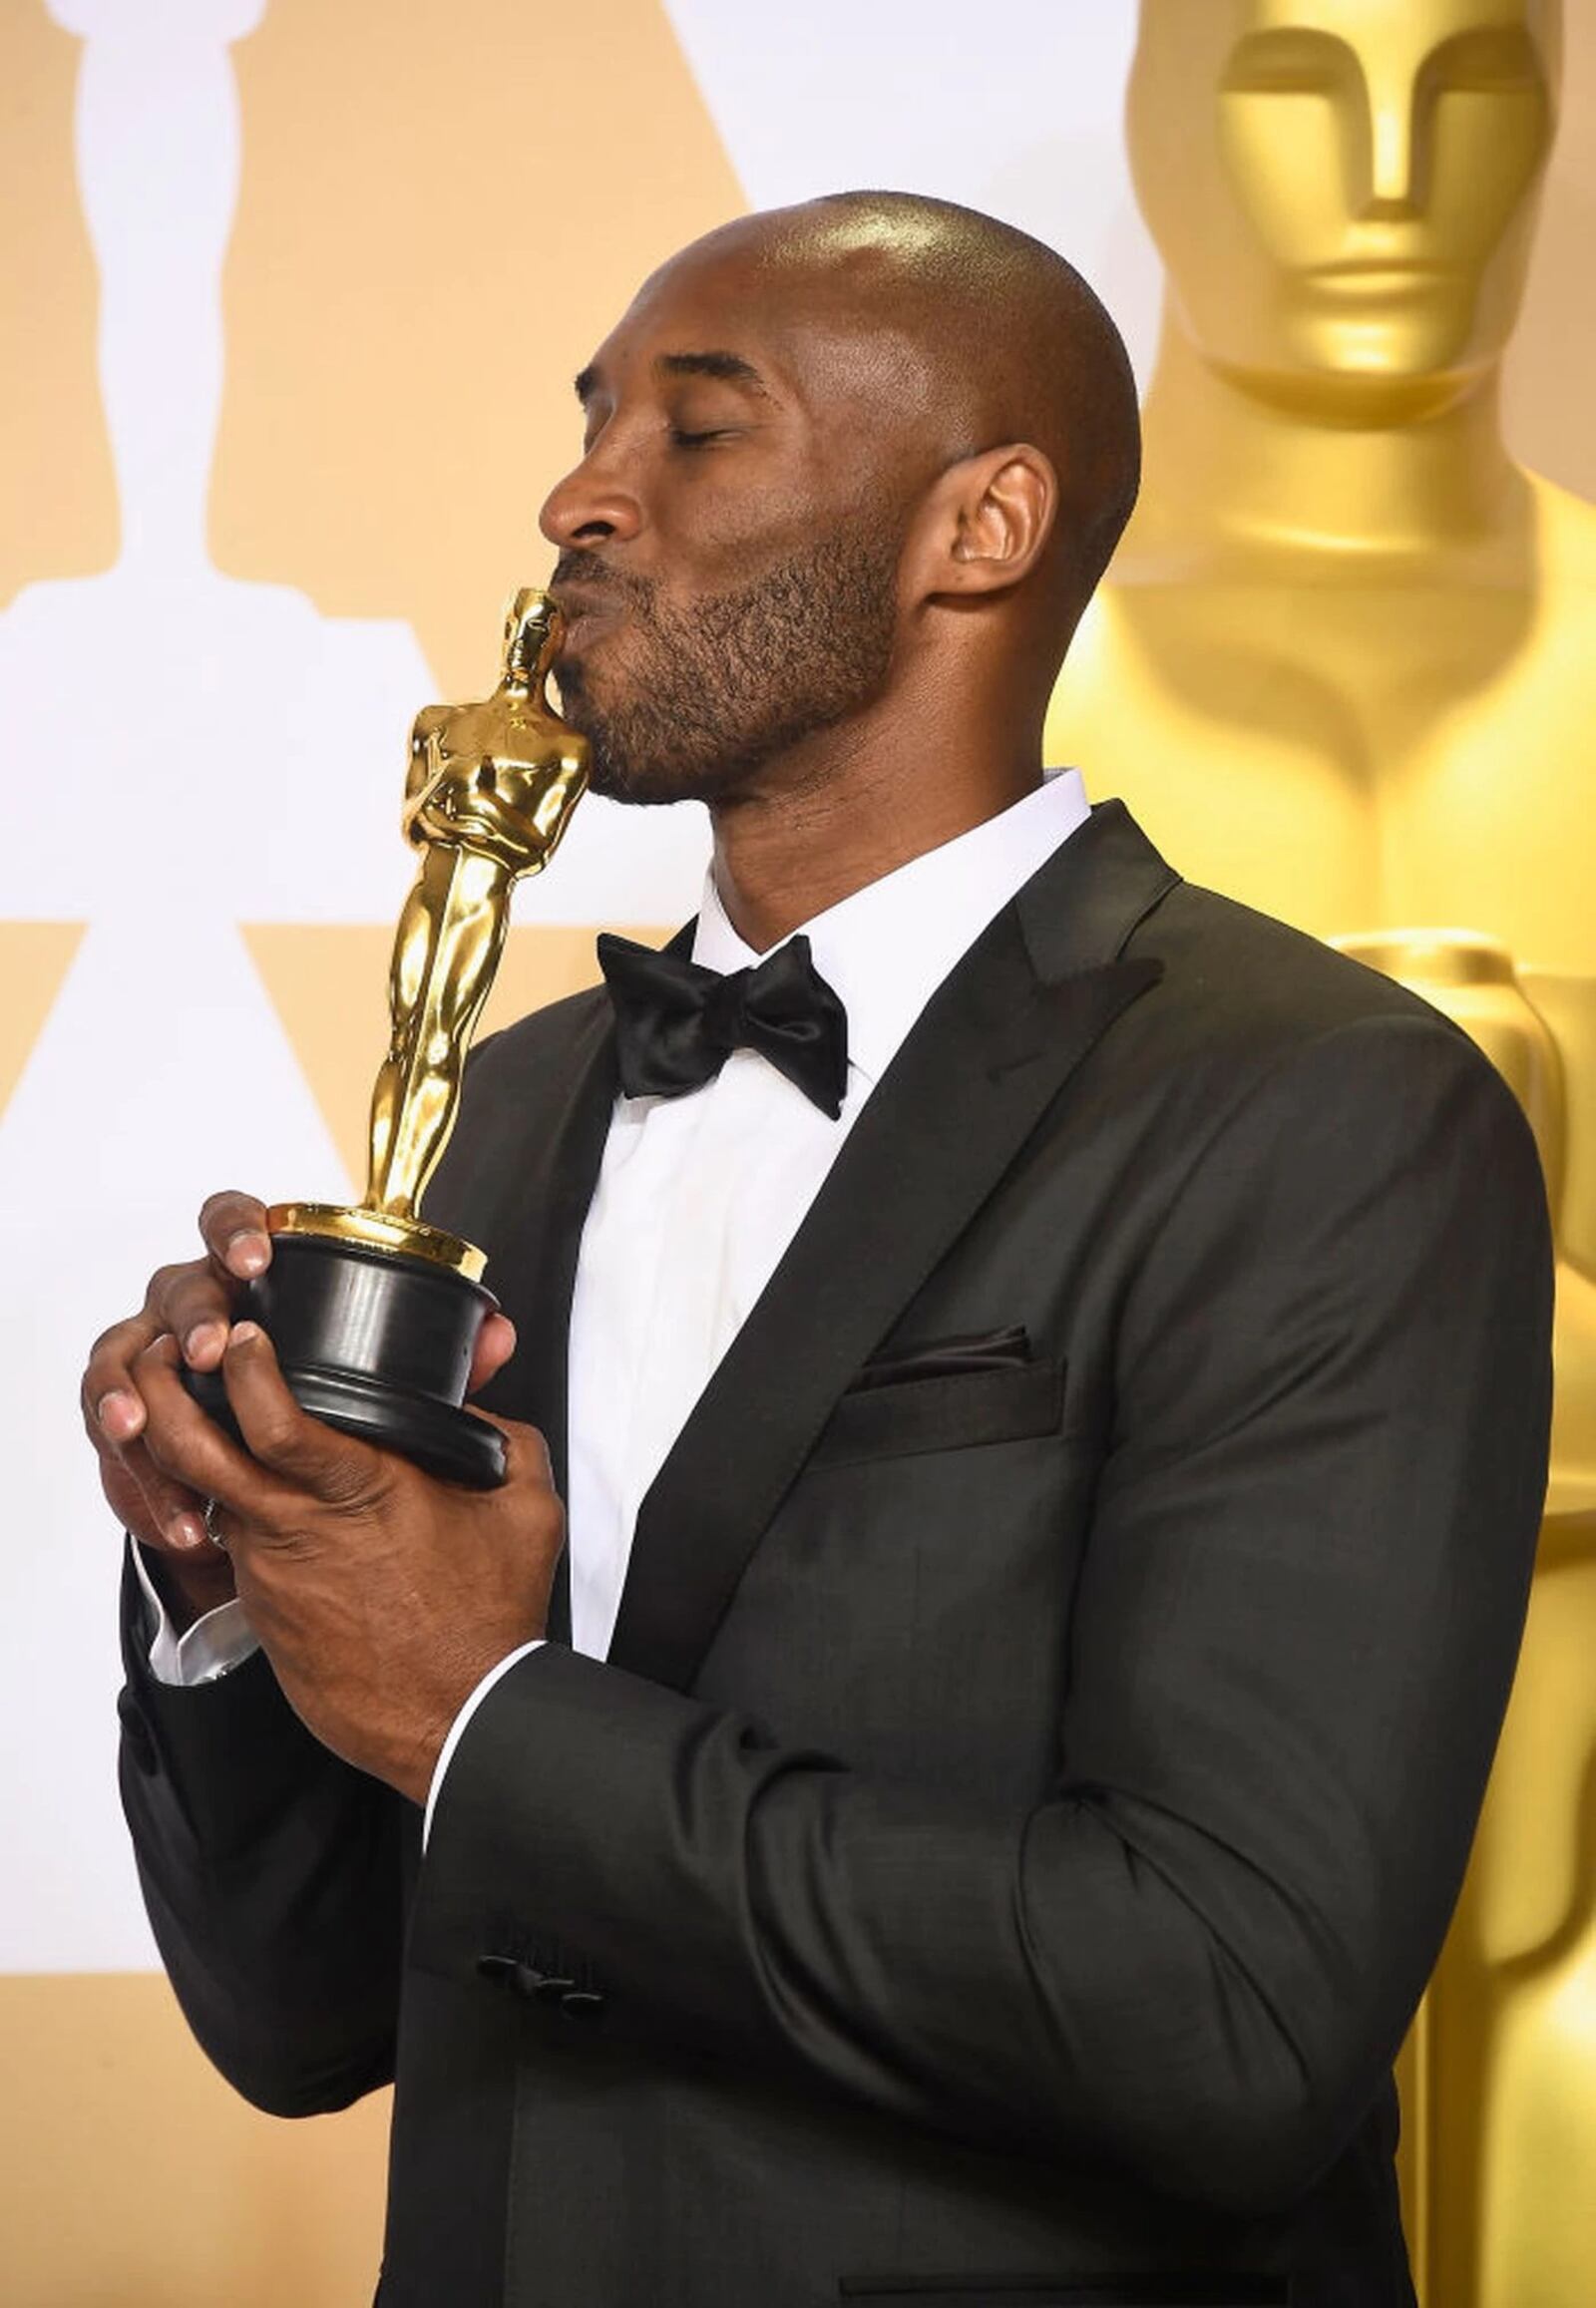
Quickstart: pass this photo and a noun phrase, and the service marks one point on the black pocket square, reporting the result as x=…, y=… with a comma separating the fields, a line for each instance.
x=953, y=1357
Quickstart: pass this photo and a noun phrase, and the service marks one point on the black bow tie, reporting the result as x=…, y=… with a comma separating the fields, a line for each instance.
x=677, y=1023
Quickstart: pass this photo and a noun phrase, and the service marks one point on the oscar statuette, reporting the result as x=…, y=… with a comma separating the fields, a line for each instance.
x=374, y=1315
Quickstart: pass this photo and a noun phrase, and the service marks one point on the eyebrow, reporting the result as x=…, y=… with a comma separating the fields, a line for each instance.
x=730, y=367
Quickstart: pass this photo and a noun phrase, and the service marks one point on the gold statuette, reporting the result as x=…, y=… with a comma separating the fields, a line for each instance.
x=374, y=1314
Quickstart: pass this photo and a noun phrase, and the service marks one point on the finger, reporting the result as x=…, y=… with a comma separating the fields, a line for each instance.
x=156, y=1528
x=197, y=1304
x=496, y=1342
x=156, y=1510
x=233, y=1228
x=173, y=1514
x=305, y=1451
x=112, y=1409
x=190, y=1449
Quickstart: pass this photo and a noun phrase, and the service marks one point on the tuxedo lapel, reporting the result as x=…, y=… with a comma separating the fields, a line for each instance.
x=546, y=1182
x=992, y=1049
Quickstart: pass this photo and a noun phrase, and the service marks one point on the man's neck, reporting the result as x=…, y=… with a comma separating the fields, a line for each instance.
x=1237, y=488
x=800, y=845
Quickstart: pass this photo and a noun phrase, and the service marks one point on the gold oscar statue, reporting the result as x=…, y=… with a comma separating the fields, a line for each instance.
x=374, y=1314
x=1343, y=669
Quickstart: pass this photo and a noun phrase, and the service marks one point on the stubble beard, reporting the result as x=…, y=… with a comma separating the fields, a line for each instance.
x=717, y=690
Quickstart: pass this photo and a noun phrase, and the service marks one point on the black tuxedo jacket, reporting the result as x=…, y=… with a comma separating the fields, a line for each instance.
x=1053, y=1691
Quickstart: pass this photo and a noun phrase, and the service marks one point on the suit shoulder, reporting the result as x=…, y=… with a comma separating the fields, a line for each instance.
x=1246, y=1001
x=1247, y=979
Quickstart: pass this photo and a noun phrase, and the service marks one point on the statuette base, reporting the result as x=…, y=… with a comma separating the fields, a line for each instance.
x=377, y=1342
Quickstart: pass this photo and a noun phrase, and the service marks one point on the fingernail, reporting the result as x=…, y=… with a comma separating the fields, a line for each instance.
x=203, y=1338
x=119, y=1413
x=186, y=1530
x=243, y=1333
x=249, y=1252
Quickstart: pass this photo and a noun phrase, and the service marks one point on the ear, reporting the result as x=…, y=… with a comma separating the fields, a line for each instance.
x=987, y=522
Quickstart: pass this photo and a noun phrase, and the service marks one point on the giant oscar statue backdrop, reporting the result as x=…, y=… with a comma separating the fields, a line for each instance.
x=1345, y=665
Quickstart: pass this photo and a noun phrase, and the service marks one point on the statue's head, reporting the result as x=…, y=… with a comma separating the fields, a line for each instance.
x=531, y=631
x=1344, y=190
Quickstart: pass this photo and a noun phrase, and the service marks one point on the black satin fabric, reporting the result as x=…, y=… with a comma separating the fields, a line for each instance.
x=677, y=1023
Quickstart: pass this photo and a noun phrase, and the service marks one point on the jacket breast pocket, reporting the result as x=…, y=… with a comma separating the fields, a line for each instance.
x=957, y=1411
x=1197, y=2291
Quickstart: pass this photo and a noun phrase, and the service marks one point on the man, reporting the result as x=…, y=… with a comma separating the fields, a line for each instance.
x=1052, y=1454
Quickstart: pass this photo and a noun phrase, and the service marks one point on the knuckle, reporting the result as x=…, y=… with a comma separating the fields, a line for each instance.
x=223, y=1213
x=196, y=1297
x=163, y=1283
x=277, y=1433
x=119, y=1344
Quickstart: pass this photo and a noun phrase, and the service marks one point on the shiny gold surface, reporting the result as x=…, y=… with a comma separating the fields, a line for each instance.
x=1343, y=669
x=370, y=1229
x=490, y=791
x=1500, y=2076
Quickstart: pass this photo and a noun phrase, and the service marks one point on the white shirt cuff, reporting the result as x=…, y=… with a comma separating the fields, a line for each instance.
x=457, y=1728
x=214, y=1646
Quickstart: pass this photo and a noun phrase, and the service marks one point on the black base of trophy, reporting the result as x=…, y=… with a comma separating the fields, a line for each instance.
x=378, y=1345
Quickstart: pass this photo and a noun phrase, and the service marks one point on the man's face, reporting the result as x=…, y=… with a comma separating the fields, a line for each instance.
x=1341, y=189
x=729, y=543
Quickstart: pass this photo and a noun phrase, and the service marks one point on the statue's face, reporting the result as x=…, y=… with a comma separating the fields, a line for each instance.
x=1343, y=190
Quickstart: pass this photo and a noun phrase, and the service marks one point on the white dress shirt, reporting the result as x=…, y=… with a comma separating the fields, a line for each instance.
x=699, y=1196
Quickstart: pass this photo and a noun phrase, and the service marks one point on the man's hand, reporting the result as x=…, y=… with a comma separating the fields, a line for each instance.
x=382, y=1596
x=193, y=1305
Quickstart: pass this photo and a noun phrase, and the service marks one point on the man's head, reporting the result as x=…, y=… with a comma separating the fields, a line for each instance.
x=833, y=450
x=1343, y=191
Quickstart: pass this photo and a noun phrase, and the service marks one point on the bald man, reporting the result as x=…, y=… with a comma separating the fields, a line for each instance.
x=943, y=1771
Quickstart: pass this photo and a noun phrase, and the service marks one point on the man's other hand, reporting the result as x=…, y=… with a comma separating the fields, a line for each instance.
x=381, y=1595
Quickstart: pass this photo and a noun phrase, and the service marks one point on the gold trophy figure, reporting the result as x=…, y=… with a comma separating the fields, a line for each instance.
x=1342, y=658
x=374, y=1314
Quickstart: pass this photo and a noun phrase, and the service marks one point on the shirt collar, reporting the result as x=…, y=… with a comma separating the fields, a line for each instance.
x=886, y=949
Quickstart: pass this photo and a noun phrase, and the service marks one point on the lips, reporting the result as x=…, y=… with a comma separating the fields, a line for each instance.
x=1373, y=275
x=584, y=618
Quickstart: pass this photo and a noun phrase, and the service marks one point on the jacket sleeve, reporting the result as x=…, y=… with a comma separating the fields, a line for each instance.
x=274, y=1877
x=1293, y=1639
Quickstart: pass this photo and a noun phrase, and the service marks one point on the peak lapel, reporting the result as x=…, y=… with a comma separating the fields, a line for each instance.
x=991, y=1050
x=541, y=1166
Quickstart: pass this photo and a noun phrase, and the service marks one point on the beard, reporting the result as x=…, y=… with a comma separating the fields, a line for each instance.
x=716, y=690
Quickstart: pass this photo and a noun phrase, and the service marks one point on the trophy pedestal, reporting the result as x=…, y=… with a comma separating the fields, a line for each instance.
x=375, y=1339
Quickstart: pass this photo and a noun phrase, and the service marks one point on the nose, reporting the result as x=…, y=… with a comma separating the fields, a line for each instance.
x=1396, y=136
x=591, y=505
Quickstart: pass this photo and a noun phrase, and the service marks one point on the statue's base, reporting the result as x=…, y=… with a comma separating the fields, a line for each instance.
x=374, y=1341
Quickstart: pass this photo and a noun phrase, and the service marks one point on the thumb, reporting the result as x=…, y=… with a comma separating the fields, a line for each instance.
x=337, y=1468
x=525, y=1451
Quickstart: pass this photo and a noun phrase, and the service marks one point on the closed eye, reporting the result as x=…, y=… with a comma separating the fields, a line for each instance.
x=682, y=440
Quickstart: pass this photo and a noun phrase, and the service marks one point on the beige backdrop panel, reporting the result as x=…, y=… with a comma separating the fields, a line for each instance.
x=406, y=310
x=132, y=2176
x=1550, y=378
